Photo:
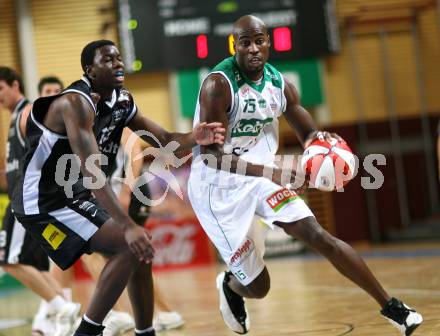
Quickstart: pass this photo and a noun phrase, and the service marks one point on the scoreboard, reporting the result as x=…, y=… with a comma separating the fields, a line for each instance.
x=185, y=34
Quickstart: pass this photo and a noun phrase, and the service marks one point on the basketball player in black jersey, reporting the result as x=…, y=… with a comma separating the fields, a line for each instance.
x=66, y=219
x=20, y=255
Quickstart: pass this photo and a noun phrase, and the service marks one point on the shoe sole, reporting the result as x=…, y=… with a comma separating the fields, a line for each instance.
x=176, y=325
x=219, y=285
x=408, y=331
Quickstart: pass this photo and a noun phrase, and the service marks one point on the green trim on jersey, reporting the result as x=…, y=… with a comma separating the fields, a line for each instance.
x=230, y=68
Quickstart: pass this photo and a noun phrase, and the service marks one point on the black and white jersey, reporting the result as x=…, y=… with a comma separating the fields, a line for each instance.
x=15, y=147
x=46, y=166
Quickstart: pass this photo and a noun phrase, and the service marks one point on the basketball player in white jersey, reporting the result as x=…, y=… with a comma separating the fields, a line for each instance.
x=247, y=95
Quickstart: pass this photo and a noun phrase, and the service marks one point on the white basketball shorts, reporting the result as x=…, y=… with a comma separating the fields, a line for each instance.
x=227, y=214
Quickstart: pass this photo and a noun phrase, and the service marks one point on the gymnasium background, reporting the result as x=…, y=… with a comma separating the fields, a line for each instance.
x=380, y=92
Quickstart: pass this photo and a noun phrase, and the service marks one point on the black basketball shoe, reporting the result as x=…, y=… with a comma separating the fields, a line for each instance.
x=232, y=306
x=401, y=316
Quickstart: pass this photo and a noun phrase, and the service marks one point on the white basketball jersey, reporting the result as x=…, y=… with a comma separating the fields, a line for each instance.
x=252, y=131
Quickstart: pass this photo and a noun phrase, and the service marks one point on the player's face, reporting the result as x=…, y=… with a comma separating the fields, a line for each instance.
x=50, y=89
x=252, y=49
x=108, y=68
x=7, y=95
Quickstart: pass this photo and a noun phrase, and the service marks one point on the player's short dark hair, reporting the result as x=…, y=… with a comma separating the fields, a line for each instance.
x=88, y=53
x=49, y=80
x=9, y=76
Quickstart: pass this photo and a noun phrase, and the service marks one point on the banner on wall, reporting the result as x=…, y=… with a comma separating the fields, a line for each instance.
x=179, y=243
x=304, y=74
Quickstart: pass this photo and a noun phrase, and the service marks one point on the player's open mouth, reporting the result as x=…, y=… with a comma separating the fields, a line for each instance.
x=119, y=75
x=255, y=60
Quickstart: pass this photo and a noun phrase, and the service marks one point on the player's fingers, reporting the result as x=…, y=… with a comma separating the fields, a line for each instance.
x=135, y=250
x=219, y=138
x=219, y=130
x=214, y=125
x=140, y=251
x=337, y=137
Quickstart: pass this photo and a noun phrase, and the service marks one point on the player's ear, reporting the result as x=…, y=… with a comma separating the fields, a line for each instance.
x=268, y=39
x=89, y=72
x=16, y=85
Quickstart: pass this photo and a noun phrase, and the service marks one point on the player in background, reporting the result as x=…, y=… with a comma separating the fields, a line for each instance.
x=248, y=95
x=74, y=131
x=50, y=86
x=20, y=255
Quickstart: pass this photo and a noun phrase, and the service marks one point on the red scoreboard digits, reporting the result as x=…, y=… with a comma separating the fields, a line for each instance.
x=202, y=46
x=281, y=40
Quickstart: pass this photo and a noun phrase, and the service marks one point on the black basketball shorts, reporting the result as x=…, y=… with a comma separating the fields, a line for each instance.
x=64, y=233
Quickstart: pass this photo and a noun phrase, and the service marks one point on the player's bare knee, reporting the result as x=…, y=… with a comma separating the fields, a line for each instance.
x=127, y=257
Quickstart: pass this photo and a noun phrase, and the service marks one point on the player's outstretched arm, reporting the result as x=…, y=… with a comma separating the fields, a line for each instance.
x=78, y=117
x=202, y=134
x=300, y=119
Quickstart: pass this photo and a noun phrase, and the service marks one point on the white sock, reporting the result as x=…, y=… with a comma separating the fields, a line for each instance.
x=56, y=303
x=90, y=321
x=67, y=293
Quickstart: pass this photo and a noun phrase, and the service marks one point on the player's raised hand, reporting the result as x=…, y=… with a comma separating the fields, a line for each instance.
x=207, y=134
x=139, y=243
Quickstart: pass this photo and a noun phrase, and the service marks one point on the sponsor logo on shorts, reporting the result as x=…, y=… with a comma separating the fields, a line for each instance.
x=280, y=198
x=242, y=253
x=53, y=236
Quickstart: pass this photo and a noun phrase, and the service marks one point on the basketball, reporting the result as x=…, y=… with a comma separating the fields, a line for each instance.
x=330, y=165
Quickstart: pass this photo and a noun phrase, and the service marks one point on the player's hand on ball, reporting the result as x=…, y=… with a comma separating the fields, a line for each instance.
x=139, y=243
x=207, y=134
x=323, y=136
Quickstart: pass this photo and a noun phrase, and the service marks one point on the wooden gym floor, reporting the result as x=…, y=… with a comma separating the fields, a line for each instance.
x=308, y=297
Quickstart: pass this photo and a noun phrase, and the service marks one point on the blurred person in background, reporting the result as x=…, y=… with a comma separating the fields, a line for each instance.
x=20, y=255
x=50, y=86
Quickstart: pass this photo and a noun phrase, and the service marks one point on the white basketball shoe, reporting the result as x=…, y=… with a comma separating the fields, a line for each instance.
x=168, y=320
x=117, y=323
x=65, y=319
